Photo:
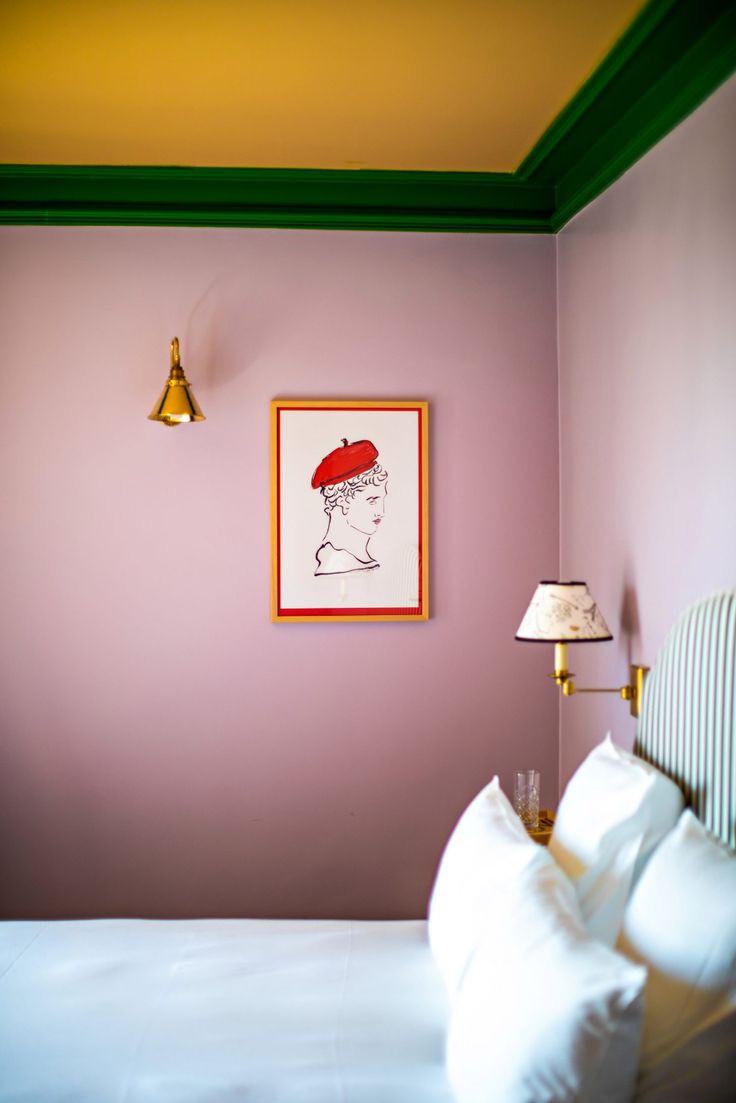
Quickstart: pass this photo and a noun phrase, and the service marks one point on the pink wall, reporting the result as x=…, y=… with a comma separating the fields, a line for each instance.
x=165, y=749
x=647, y=340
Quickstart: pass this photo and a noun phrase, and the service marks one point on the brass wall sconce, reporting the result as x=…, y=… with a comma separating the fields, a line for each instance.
x=176, y=405
x=565, y=612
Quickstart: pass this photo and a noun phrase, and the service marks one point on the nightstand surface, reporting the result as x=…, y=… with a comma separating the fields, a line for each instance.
x=546, y=823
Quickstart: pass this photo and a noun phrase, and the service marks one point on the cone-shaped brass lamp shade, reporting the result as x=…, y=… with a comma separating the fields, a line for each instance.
x=177, y=404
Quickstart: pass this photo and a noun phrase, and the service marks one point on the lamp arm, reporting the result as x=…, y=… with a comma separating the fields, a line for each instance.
x=573, y=688
x=631, y=692
x=569, y=688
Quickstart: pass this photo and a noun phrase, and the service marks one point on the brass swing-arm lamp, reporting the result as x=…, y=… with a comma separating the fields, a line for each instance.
x=565, y=612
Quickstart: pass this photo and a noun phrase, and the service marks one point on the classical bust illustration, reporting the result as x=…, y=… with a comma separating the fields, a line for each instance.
x=353, y=486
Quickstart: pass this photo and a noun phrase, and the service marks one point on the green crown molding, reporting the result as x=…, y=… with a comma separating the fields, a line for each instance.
x=328, y=199
x=674, y=54
x=670, y=59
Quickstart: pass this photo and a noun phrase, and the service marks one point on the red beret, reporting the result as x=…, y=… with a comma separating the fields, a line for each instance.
x=344, y=463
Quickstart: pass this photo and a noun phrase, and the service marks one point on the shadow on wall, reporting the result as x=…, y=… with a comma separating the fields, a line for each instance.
x=217, y=362
x=629, y=621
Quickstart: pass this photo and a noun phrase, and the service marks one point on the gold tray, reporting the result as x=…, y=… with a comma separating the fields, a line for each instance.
x=546, y=823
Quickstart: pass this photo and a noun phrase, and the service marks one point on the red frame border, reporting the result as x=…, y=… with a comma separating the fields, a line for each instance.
x=356, y=611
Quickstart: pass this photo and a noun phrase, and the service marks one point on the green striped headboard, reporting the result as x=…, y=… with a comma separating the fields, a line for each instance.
x=688, y=716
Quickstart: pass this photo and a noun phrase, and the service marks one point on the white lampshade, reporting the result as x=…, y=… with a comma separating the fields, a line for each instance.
x=563, y=612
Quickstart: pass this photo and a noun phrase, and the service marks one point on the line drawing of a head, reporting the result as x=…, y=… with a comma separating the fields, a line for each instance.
x=353, y=486
x=362, y=499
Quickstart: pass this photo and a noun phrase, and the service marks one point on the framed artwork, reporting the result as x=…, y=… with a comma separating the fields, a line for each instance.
x=349, y=514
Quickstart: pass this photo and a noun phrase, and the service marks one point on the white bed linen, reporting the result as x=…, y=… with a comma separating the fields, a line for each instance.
x=208, y=1011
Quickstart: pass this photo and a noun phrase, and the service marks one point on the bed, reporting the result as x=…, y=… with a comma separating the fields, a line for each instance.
x=289, y=1011
x=213, y=1010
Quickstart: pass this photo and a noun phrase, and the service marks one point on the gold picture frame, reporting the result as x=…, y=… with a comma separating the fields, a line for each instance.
x=349, y=510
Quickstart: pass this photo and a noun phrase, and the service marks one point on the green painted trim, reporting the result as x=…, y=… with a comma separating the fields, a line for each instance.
x=710, y=61
x=672, y=57
x=549, y=150
x=311, y=198
x=669, y=60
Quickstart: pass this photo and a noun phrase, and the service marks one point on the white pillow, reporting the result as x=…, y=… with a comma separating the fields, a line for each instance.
x=488, y=849
x=615, y=810
x=681, y=924
x=545, y=1012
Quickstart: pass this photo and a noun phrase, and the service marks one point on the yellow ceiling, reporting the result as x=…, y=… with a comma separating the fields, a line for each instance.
x=447, y=85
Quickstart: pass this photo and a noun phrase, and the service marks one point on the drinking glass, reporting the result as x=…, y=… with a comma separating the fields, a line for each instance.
x=526, y=798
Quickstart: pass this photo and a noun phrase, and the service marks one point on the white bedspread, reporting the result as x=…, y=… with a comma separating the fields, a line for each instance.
x=208, y=1011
